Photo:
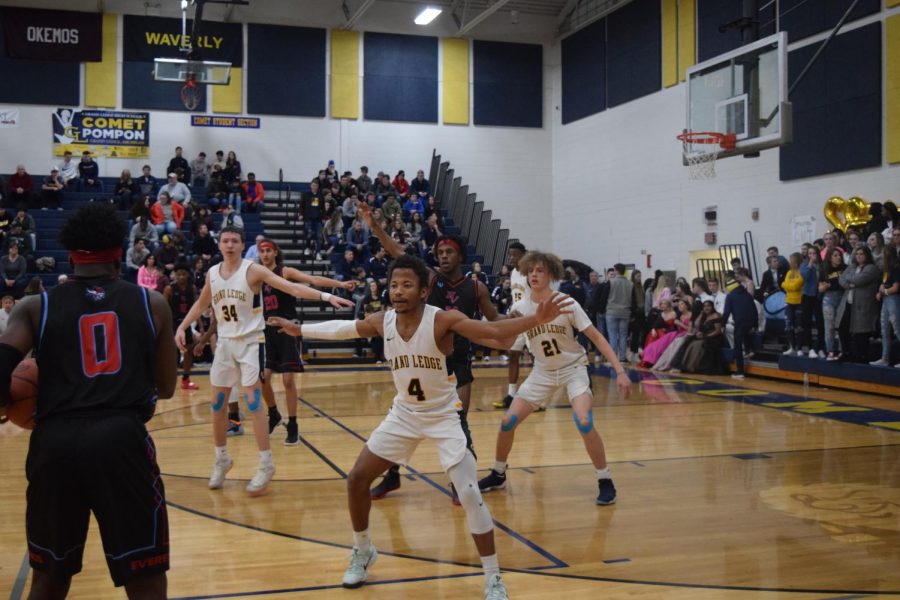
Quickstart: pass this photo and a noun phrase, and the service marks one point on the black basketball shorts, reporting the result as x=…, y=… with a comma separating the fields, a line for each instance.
x=459, y=363
x=282, y=352
x=100, y=464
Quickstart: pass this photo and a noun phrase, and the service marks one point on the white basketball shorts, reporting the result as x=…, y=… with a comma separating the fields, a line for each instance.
x=238, y=361
x=540, y=386
x=398, y=436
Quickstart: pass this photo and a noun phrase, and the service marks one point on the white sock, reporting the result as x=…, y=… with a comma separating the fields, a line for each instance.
x=512, y=388
x=221, y=452
x=361, y=541
x=265, y=457
x=500, y=467
x=604, y=473
x=490, y=565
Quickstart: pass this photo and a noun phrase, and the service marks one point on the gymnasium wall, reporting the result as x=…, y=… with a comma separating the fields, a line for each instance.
x=621, y=192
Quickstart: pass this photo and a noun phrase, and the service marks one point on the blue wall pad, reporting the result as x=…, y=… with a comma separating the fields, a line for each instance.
x=634, y=51
x=400, y=81
x=584, y=72
x=285, y=70
x=509, y=84
x=837, y=107
x=50, y=82
x=841, y=370
x=711, y=14
x=802, y=19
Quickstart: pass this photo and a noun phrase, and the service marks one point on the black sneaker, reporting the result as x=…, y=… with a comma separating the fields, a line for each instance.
x=493, y=481
x=293, y=434
x=390, y=483
x=607, y=492
x=274, y=419
x=504, y=404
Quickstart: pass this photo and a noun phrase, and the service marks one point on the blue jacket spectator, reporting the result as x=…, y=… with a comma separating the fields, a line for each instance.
x=345, y=270
x=358, y=240
x=739, y=304
x=810, y=276
x=378, y=266
x=89, y=173
x=414, y=204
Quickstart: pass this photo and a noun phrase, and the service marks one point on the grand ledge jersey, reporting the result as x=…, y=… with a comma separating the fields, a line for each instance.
x=518, y=285
x=239, y=312
x=554, y=344
x=419, y=367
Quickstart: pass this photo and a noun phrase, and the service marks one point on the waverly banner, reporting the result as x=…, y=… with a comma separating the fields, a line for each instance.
x=101, y=132
x=52, y=34
x=147, y=38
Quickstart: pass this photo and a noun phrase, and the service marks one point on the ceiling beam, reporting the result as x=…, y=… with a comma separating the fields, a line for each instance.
x=357, y=14
x=468, y=26
x=566, y=11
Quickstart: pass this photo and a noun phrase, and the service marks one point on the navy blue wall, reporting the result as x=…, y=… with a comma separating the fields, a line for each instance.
x=509, y=84
x=140, y=90
x=285, y=70
x=634, y=51
x=400, y=78
x=711, y=14
x=801, y=18
x=584, y=72
x=38, y=81
x=837, y=107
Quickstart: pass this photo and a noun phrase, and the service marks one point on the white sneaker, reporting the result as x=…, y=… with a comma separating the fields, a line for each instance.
x=800, y=353
x=358, y=570
x=897, y=366
x=788, y=352
x=220, y=469
x=880, y=363
x=261, y=479
x=821, y=354
x=737, y=376
x=812, y=354
x=494, y=589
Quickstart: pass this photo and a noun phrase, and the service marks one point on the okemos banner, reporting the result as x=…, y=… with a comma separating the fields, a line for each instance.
x=102, y=132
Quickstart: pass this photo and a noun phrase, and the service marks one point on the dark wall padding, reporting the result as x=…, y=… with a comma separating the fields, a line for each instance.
x=634, y=51
x=837, y=107
x=400, y=81
x=140, y=90
x=50, y=82
x=584, y=72
x=285, y=70
x=802, y=19
x=711, y=14
x=509, y=84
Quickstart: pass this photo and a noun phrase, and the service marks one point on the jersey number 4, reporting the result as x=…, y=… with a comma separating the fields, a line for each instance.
x=550, y=347
x=229, y=312
x=415, y=389
x=101, y=348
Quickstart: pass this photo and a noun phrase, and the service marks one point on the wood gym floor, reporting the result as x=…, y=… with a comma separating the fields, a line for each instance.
x=760, y=490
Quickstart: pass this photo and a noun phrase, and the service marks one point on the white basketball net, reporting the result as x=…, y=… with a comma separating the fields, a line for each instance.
x=701, y=160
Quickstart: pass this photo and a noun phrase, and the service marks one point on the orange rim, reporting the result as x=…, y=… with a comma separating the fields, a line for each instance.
x=725, y=140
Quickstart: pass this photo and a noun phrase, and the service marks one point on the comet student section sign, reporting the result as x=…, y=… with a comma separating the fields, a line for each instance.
x=102, y=133
x=233, y=122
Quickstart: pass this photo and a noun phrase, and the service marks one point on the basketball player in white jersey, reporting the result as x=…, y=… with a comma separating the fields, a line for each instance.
x=417, y=339
x=234, y=289
x=560, y=362
x=518, y=285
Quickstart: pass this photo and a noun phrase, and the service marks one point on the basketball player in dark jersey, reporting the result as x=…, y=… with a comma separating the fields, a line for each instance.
x=283, y=352
x=448, y=289
x=105, y=354
x=181, y=295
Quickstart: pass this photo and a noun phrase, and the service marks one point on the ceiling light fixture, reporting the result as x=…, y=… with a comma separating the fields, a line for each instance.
x=428, y=14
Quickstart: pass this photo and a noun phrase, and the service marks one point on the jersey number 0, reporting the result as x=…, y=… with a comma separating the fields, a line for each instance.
x=101, y=349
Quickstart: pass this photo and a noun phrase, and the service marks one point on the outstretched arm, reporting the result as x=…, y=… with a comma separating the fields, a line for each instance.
x=390, y=244
x=507, y=328
x=292, y=274
x=262, y=274
x=339, y=329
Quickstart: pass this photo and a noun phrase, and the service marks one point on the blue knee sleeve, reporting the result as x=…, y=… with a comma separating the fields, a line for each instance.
x=513, y=419
x=253, y=406
x=584, y=429
x=219, y=402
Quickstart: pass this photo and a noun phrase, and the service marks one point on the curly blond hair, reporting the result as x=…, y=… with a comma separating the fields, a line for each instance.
x=550, y=261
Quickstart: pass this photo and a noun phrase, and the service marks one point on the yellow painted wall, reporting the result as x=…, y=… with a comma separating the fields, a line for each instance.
x=228, y=98
x=892, y=87
x=669, y=42
x=687, y=36
x=455, y=66
x=344, y=74
x=101, y=78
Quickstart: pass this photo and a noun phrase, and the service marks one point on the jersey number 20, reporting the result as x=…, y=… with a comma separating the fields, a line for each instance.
x=101, y=350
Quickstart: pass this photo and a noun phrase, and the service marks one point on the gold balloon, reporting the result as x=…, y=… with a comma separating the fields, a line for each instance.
x=834, y=211
x=847, y=213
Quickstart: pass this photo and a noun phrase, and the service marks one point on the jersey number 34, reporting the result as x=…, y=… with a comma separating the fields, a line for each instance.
x=229, y=312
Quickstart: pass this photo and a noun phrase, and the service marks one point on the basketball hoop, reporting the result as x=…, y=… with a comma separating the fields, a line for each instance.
x=191, y=94
x=701, y=160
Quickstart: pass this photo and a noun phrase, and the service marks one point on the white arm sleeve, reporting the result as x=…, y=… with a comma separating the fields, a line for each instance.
x=331, y=330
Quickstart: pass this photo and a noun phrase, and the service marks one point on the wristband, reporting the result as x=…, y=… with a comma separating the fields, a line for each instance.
x=325, y=296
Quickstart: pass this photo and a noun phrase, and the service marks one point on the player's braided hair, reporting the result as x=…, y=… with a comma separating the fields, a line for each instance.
x=96, y=226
